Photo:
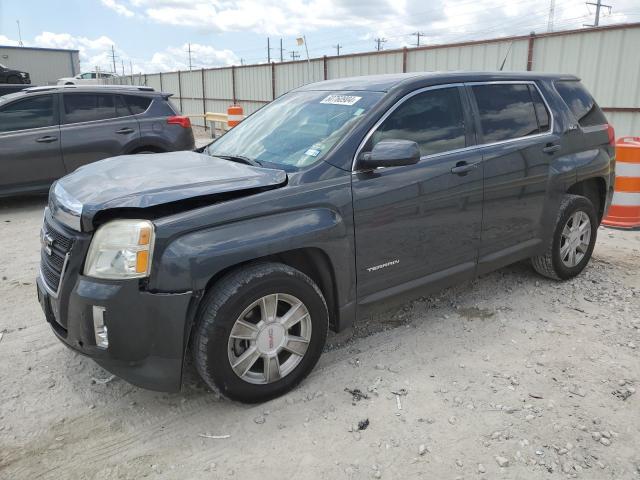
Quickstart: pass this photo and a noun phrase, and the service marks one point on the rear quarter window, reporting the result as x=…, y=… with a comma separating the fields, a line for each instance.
x=581, y=103
x=138, y=104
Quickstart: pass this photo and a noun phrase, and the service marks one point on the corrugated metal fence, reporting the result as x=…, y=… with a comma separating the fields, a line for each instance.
x=606, y=58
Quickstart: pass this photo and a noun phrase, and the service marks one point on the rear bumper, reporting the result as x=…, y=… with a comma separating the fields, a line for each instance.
x=146, y=331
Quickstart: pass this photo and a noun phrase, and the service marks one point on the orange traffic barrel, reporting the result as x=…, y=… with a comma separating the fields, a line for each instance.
x=234, y=115
x=625, y=206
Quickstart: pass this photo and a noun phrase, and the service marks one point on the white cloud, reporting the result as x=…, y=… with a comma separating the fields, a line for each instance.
x=96, y=53
x=117, y=7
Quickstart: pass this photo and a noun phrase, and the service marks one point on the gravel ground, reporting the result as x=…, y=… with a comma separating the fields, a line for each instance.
x=510, y=376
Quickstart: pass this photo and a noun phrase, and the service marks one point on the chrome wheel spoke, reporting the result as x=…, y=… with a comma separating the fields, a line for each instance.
x=269, y=307
x=572, y=257
x=244, y=330
x=296, y=345
x=271, y=368
x=245, y=361
x=293, y=316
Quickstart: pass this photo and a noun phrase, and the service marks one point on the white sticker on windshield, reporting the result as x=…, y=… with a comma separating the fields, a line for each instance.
x=341, y=99
x=313, y=152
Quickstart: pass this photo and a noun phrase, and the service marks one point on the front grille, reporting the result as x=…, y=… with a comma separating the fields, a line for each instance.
x=52, y=264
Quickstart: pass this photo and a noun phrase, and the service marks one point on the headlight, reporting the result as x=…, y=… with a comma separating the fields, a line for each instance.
x=121, y=249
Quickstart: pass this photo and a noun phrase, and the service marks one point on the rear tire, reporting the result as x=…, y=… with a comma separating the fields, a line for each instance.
x=574, y=238
x=244, y=341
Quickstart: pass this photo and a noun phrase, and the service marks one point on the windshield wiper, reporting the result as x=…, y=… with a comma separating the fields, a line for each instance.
x=239, y=159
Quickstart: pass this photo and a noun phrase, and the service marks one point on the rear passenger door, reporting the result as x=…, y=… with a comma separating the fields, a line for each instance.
x=95, y=126
x=30, y=143
x=517, y=144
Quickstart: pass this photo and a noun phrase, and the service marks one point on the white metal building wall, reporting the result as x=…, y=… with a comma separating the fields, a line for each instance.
x=606, y=58
x=45, y=65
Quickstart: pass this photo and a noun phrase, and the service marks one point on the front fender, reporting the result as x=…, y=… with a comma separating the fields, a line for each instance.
x=189, y=261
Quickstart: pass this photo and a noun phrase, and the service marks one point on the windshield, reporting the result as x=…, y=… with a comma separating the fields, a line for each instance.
x=297, y=129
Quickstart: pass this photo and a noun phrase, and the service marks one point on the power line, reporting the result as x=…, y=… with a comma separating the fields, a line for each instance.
x=379, y=42
x=294, y=55
x=598, y=4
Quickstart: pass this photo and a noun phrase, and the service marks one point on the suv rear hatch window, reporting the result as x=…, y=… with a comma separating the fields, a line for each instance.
x=581, y=103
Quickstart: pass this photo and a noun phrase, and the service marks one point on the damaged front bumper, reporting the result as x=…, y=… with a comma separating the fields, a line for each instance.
x=146, y=331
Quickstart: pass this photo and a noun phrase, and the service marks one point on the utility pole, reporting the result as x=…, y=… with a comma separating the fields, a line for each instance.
x=268, y=50
x=242, y=61
x=379, y=42
x=281, y=51
x=131, y=67
x=19, y=34
x=598, y=4
x=189, y=50
x=337, y=47
x=113, y=58
x=418, y=35
x=294, y=55
x=552, y=12
x=122, y=67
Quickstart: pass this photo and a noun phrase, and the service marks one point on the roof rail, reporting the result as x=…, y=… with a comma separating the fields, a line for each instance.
x=72, y=87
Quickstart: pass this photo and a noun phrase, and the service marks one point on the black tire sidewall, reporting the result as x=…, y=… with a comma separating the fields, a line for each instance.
x=216, y=326
x=574, y=205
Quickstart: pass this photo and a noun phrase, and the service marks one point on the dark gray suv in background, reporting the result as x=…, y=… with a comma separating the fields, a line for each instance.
x=47, y=132
x=337, y=195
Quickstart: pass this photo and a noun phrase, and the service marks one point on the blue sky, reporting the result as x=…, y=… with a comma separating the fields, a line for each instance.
x=152, y=35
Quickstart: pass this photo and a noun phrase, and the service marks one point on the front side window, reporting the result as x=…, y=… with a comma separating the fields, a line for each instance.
x=88, y=107
x=36, y=112
x=433, y=119
x=581, y=103
x=297, y=129
x=506, y=111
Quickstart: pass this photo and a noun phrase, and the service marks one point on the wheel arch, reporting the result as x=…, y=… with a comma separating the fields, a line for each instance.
x=595, y=189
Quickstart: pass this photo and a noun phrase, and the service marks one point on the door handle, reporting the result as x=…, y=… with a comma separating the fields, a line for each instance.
x=125, y=130
x=462, y=168
x=47, y=139
x=551, y=148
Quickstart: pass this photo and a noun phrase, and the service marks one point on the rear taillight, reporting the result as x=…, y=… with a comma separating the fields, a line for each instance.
x=181, y=120
x=612, y=135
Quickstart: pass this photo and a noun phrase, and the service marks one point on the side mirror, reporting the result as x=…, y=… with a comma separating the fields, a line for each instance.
x=390, y=153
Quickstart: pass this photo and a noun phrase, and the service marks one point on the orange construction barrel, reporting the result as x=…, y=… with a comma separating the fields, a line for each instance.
x=234, y=115
x=625, y=206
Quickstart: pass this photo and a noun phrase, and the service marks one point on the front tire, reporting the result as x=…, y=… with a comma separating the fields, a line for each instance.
x=260, y=332
x=574, y=238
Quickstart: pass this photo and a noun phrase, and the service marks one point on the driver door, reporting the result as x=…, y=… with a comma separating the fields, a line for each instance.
x=420, y=224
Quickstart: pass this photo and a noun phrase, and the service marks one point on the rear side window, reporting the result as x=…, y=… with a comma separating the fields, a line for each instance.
x=433, y=119
x=36, y=112
x=88, y=107
x=138, y=104
x=581, y=103
x=506, y=111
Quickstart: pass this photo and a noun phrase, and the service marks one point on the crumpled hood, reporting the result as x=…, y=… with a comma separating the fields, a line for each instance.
x=146, y=180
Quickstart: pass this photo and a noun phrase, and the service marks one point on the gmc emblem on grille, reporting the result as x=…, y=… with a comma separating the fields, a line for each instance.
x=47, y=242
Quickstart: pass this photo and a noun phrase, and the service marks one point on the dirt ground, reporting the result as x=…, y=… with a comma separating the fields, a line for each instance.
x=511, y=376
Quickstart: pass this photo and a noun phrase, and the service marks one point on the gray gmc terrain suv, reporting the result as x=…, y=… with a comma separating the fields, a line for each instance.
x=334, y=196
x=48, y=132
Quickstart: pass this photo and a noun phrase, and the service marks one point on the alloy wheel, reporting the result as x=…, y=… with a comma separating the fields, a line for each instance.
x=269, y=339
